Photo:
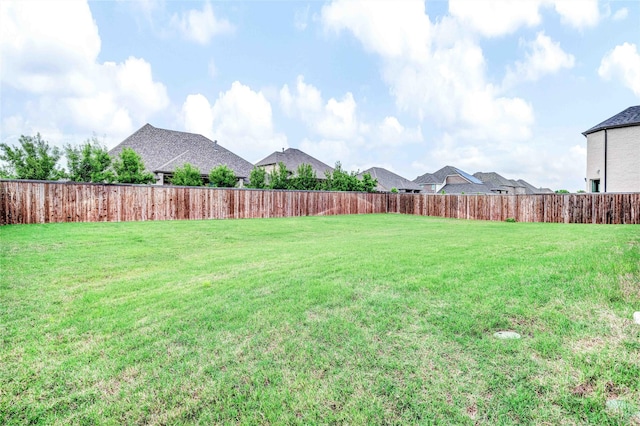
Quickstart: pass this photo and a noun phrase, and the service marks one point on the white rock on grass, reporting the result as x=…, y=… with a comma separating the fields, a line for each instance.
x=636, y=317
x=506, y=335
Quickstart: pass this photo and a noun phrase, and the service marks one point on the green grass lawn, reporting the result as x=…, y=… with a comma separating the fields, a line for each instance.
x=372, y=319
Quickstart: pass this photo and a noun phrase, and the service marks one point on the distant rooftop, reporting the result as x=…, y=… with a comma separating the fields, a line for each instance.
x=441, y=175
x=388, y=180
x=292, y=158
x=164, y=150
x=628, y=117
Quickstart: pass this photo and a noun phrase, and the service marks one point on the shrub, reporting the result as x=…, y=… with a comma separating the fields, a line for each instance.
x=258, y=178
x=510, y=220
x=222, y=177
x=394, y=190
x=187, y=175
x=129, y=168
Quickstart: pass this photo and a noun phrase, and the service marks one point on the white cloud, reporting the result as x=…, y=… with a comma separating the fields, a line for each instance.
x=197, y=115
x=621, y=14
x=623, y=64
x=338, y=119
x=495, y=18
x=431, y=72
x=544, y=56
x=578, y=14
x=50, y=54
x=200, y=26
x=240, y=119
x=392, y=29
x=42, y=49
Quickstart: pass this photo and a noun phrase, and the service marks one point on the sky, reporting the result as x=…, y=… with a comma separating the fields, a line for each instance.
x=411, y=86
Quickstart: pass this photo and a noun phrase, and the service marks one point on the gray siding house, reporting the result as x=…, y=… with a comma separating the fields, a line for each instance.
x=613, y=153
x=163, y=151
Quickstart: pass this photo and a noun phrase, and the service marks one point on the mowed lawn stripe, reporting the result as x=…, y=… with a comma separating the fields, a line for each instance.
x=359, y=319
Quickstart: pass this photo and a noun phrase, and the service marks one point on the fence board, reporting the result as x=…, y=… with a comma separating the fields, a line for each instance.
x=23, y=202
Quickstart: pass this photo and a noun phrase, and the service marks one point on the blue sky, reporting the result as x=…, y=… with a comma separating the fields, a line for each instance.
x=408, y=85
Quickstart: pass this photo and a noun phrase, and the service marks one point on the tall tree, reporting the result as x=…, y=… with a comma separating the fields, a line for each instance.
x=89, y=162
x=187, y=175
x=32, y=159
x=223, y=177
x=129, y=168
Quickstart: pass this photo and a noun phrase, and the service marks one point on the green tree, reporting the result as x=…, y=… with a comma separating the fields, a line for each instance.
x=562, y=191
x=279, y=178
x=129, y=168
x=341, y=180
x=305, y=178
x=89, y=162
x=258, y=178
x=369, y=184
x=222, y=177
x=32, y=159
x=187, y=175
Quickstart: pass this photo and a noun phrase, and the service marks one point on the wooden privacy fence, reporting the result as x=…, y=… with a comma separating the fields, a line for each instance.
x=23, y=202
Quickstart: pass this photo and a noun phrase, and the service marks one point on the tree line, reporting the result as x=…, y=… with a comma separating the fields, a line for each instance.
x=90, y=161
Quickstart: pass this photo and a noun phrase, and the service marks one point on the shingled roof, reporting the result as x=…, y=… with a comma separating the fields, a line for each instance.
x=162, y=151
x=466, y=188
x=388, y=180
x=441, y=175
x=628, y=117
x=494, y=179
x=530, y=189
x=292, y=158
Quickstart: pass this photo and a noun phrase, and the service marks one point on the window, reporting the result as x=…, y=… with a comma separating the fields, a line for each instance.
x=595, y=185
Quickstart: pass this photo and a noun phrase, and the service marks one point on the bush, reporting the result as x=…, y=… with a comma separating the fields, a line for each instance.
x=129, y=168
x=258, y=178
x=222, y=177
x=394, y=190
x=510, y=220
x=187, y=175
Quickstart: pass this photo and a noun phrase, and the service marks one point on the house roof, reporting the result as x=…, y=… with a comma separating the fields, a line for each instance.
x=628, y=117
x=164, y=150
x=530, y=189
x=466, y=188
x=292, y=158
x=426, y=178
x=493, y=179
x=441, y=175
x=388, y=180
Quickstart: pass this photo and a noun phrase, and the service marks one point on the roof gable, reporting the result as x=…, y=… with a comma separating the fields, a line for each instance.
x=441, y=175
x=494, y=179
x=628, y=117
x=292, y=158
x=388, y=180
x=164, y=150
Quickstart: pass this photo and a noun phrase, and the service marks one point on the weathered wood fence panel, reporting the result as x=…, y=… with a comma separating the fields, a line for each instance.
x=23, y=202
